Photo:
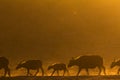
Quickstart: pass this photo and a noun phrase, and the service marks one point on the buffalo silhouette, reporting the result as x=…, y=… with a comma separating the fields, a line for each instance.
x=31, y=65
x=4, y=62
x=115, y=63
x=57, y=67
x=86, y=62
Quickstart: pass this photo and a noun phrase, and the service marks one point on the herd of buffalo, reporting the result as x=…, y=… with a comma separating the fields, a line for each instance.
x=83, y=62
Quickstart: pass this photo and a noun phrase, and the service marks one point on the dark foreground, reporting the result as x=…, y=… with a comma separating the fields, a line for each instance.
x=112, y=77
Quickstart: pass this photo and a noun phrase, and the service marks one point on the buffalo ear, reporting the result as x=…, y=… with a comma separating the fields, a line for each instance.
x=21, y=61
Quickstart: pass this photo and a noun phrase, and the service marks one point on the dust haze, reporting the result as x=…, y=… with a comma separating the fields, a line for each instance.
x=56, y=30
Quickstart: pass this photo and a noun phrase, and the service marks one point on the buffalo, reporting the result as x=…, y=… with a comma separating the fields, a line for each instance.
x=57, y=67
x=115, y=63
x=31, y=65
x=87, y=62
x=4, y=62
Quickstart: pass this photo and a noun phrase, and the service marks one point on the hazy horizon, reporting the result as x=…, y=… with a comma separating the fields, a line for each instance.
x=55, y=31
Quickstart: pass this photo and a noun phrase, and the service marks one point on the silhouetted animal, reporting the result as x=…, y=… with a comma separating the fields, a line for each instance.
x=31, y=65
x=57, y=67
x=4, y=62
x=115, y=63
x=86, y=62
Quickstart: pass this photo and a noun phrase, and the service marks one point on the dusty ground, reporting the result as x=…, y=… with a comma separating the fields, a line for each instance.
x=109, y=77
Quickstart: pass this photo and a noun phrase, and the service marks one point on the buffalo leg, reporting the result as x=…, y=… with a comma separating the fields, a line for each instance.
x=87, y=71
x=58, y=72
x=67, y=72
x=64, y=72
x=42, y=71
x=28, y=72
x=8, y=70
x=5, y=70
x=104, y=70
x=118, y=71
x=53, y=73
x=99, y=70
x=78, y=71
x=36, y=72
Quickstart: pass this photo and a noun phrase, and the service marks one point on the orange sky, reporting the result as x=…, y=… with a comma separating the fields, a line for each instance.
x=57, y=30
